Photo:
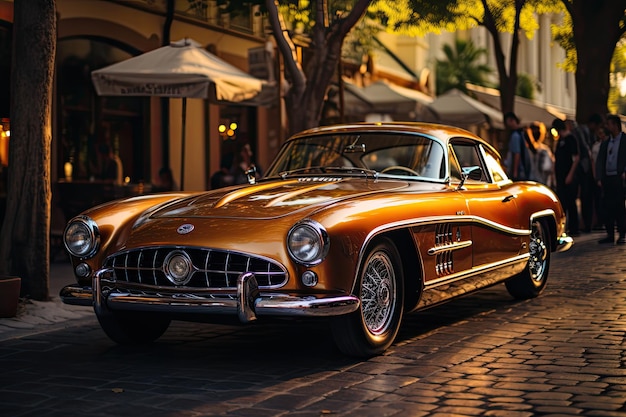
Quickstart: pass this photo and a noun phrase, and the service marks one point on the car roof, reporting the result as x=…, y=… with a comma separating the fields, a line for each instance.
x=438, y=131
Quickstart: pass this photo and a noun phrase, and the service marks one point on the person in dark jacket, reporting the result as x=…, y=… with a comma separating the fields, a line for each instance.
x=610, y=172
x=566, y=158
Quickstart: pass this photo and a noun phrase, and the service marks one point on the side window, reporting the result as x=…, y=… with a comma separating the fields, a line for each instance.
x=493, y=165
x=455, y=169
x=468, y=155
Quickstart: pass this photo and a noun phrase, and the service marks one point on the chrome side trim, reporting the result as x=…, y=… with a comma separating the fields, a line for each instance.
x=542, y=213
x=520, y=259
x=449, y=247
x=458, y=219
x=434, y=220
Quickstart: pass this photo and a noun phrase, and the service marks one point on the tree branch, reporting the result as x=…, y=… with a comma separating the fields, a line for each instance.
x=285, y=45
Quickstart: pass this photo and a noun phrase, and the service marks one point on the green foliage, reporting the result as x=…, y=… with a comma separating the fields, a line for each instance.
x=461, y=66
x=454, y=15
x=563, y=35
x=359, y=43
x=525, y=86
x=417, y=18
x=617, y=101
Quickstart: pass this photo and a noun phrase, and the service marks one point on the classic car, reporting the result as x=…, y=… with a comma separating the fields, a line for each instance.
x=357, y=223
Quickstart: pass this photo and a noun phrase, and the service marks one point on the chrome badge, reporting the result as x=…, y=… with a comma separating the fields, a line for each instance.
x=184, y=229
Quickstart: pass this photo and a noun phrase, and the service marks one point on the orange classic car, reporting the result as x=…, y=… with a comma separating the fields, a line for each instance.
x=359, y=223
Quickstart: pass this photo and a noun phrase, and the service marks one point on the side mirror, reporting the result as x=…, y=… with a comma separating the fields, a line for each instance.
x=251, y=174
x=473, y=173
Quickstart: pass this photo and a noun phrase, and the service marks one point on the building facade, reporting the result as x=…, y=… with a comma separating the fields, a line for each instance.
x=145, y=132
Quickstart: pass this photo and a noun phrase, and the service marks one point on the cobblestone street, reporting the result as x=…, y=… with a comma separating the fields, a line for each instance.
x=561, y=354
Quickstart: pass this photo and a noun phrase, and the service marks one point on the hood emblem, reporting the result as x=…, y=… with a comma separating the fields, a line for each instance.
x=185, y=228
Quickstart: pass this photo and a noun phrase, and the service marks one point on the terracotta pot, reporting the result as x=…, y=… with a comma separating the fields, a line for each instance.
x=9, y=295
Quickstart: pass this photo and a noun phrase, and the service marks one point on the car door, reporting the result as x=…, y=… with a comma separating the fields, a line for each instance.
x=497, y=229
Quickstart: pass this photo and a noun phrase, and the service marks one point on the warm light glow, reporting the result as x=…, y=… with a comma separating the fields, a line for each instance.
x=67, y=169
x=230, y=132
x=222, y=128
x=127, y=180
x=555, y=133
x=5, y=134
x=233, y=126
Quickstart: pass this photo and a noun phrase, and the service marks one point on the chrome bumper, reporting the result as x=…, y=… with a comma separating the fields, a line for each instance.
x=563, y=243
x=247, y=304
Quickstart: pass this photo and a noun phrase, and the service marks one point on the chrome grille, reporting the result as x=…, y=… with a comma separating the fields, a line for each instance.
x=212, y=269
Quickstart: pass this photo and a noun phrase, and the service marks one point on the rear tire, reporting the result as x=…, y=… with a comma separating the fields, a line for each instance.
x=133, y=328
x=532, y=280
x=373, y=327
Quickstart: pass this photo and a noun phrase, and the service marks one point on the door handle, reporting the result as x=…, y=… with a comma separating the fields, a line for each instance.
x=509, y=198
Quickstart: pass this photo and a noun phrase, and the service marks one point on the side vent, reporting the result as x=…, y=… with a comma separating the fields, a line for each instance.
x=444, y=238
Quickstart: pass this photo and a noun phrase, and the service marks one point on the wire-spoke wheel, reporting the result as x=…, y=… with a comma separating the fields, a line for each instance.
x=378, y=293
x=372, y=329
x=532, y=280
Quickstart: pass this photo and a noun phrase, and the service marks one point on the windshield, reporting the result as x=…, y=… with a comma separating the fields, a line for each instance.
x=393, y=154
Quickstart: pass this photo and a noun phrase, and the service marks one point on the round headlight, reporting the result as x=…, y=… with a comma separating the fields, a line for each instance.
x=308, y=243
x=81, y=237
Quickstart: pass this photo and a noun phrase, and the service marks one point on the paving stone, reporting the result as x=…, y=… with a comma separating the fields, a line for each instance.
x=559, y=355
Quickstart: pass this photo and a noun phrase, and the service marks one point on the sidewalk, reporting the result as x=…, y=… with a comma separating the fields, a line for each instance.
x=42, y=316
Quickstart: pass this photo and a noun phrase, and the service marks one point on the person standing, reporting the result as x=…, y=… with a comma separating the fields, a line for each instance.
x=585, y=134
x=566, y=158
x=165, y=181
x=518, y=159
x=543, y=157
x=245, y=166
x=110, y=165
x=602, y=134
x=610, y=168
x=224, y=177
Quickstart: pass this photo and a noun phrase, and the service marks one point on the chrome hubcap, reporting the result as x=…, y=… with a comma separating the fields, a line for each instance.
x=378, y=293
x=538, y=254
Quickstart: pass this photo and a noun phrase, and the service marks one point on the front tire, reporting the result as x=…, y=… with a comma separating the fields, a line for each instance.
x=532, y=280
x=373, y=328
x=133, y=328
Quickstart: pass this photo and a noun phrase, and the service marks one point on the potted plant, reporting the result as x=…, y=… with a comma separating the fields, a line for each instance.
x=9, y=295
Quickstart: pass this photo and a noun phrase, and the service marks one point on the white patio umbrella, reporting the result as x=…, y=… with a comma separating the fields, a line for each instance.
x=384, y=97
x=182, y=69
x=456, y=107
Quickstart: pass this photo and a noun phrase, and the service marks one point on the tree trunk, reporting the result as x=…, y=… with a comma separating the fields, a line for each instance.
x=594, y=49
x=305, y=98
x=508, y=80
x=24, y=243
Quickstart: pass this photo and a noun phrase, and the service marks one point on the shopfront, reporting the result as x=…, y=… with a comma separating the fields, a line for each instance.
x=144, y=133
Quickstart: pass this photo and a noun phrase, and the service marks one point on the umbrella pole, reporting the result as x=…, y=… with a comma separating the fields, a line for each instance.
x=182, y=154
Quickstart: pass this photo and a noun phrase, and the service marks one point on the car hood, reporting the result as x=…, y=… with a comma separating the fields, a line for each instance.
x=276, y=198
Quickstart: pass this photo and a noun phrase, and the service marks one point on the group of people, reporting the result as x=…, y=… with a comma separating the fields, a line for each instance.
x=587, y=164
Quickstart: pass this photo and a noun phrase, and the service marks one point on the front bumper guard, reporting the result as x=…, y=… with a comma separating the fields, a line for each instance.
x=248, y=303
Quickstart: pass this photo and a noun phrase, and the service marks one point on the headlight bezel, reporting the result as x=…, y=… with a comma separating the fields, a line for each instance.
x=318, y=242
x=91, y=234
